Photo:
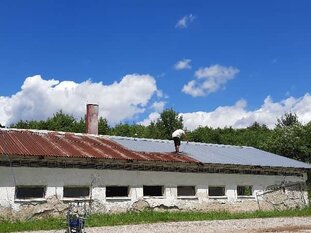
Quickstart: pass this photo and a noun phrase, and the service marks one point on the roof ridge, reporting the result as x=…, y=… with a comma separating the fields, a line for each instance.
x=170, y=141
x=45, y=131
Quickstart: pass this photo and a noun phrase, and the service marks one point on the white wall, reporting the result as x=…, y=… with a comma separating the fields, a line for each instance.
x=56, y=178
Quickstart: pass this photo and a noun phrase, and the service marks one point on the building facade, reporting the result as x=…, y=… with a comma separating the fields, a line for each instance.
x=42, y=172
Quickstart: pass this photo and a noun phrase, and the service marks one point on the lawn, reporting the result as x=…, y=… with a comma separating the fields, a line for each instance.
x=97, y=220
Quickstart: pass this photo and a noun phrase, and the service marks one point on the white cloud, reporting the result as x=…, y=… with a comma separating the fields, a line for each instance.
x=153, y=117
x=185, y=21
x=183, y=64
x=158, y=106
x=238, y=116
x=209, y=80
x=193, y=89
x=39, y=98
x=160, y=93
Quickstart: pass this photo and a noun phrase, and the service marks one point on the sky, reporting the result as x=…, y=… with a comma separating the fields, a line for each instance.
x=217, y=63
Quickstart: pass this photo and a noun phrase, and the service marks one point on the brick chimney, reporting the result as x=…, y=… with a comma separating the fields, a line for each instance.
x=91, y=118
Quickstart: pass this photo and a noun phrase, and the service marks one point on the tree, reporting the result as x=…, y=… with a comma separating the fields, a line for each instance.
x=307, y=141
x=103, y=126
x=257, y=126
x=205, y=134
x=168, y=122
x=256, y=135
x=79, y=126
x=290, y=139
x=30, y=125
x=20, y=125
x=122, y=130
x=138, y=131
x=152, y=131
x=61, y=122
x=287, y=120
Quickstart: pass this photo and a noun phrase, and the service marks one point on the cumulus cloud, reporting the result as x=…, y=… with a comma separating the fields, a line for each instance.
x=183, y=64
x=40, y=98
x=209, y=80
x=153, y=117
x=158, y=106
x=185, y=21
x=238, y=116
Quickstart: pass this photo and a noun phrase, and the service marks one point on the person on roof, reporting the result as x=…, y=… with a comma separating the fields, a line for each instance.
x=177, y=135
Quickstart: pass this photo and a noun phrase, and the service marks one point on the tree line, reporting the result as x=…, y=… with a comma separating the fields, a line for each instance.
x=289, y=138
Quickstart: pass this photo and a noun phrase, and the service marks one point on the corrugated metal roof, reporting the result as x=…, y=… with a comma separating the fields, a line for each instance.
x=58, y=144
x=212, y=153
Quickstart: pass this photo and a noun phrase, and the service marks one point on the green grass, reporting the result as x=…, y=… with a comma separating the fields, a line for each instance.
x=42, y=224
x=97, y=220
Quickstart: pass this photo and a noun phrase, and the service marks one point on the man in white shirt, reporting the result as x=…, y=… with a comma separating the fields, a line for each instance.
x=177, y=135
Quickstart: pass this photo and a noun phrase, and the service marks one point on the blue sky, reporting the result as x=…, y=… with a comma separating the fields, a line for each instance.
x=239, y=61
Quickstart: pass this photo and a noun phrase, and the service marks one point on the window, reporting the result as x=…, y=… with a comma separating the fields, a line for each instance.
x=216, y=191
x=29, y=192
x=117, y=191
x=245, y=190
x=76, y=192
x=153, y=190
x=186, y=191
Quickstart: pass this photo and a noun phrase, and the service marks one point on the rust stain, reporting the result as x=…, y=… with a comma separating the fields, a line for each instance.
x=56, y=144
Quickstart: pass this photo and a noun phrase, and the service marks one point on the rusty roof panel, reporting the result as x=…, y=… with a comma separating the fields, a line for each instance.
x=59, y=144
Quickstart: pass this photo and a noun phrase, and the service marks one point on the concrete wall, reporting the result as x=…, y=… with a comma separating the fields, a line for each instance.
x=56, y=178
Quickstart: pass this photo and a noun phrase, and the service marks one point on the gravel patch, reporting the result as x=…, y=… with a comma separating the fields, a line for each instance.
x=296, y=224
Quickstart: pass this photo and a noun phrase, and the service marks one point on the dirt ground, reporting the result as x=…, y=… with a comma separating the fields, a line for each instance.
x=297, y=224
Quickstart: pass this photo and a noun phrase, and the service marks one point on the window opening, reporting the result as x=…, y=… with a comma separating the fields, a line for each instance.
x=246, y=190
x=216, y=191
x=29, y=192
x=185, y=190
x=76, y=192
x=153, y=190
x=117, y=191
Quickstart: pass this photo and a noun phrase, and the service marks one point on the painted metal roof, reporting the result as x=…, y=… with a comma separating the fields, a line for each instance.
x=213, y=153
x=58, y=144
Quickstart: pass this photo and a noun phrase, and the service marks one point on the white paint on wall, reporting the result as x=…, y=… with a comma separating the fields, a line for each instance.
x=231, y=192
x=56, y=178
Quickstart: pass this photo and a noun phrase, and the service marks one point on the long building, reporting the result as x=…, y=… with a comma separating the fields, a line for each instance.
x=47, y=169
